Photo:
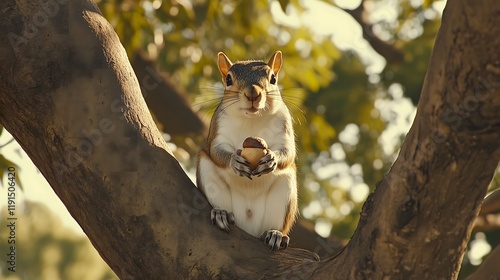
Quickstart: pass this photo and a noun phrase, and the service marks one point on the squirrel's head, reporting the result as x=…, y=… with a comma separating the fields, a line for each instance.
x=251, y=87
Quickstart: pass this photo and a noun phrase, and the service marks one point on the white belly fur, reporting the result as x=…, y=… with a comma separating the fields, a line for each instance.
x=259, y=204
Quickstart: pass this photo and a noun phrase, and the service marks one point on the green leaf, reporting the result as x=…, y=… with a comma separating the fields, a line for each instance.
x=4, y=165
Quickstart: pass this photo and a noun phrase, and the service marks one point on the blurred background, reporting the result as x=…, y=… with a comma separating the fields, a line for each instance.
x=352, y=76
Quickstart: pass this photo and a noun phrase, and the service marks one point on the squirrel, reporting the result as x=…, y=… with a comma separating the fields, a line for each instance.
x=262, y=200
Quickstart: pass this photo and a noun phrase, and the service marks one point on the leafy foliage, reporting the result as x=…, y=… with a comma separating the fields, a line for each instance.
x=5, y=164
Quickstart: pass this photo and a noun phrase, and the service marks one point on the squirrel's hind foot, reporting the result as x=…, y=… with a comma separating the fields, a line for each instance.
x=222, y=218
x=275, y=239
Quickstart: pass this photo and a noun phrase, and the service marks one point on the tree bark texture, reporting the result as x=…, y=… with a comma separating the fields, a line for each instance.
x=71, y=99
x=417, y=223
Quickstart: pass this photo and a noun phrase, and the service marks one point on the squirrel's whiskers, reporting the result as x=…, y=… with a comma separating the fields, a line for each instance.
x=259, y=197
x=293, y=99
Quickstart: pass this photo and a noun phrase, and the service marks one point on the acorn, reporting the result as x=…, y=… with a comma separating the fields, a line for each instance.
x=254, y=148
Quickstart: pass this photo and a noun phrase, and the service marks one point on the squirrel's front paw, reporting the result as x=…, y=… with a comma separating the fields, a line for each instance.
x=275, y=239
x=222, y=218
x=240, y=165
x=266, y=164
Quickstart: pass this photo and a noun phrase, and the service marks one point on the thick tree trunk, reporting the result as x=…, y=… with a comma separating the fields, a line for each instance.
x=71, y=99
x=417, y=223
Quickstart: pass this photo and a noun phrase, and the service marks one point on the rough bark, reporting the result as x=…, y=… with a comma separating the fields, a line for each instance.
x=417, y=222
x=71, y=99
x=303, y=236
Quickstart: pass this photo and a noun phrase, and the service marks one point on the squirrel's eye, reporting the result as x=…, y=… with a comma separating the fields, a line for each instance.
x=229, y=80
x=273, y=79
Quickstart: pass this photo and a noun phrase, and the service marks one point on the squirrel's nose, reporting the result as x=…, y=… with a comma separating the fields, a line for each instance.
x=254, y=94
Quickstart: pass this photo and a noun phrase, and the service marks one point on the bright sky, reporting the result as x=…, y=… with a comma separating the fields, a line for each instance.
x=324, y=19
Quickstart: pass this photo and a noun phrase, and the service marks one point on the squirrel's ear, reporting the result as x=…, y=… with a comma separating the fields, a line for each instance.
x=223, y=63
x=275, y=62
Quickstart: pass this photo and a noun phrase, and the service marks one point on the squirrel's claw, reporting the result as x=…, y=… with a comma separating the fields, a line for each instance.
x=240, y=166
x=221, y=218
x=275, y=239
x=266, y=164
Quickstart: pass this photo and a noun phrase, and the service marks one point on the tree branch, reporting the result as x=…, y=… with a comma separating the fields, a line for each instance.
x=391, y=54
x=489, y=268
x=418, y=221
x=304, y=236
x=489, y=218
x=491, y=203
x=487, y=222
x=166, y=100
x=71, y=99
